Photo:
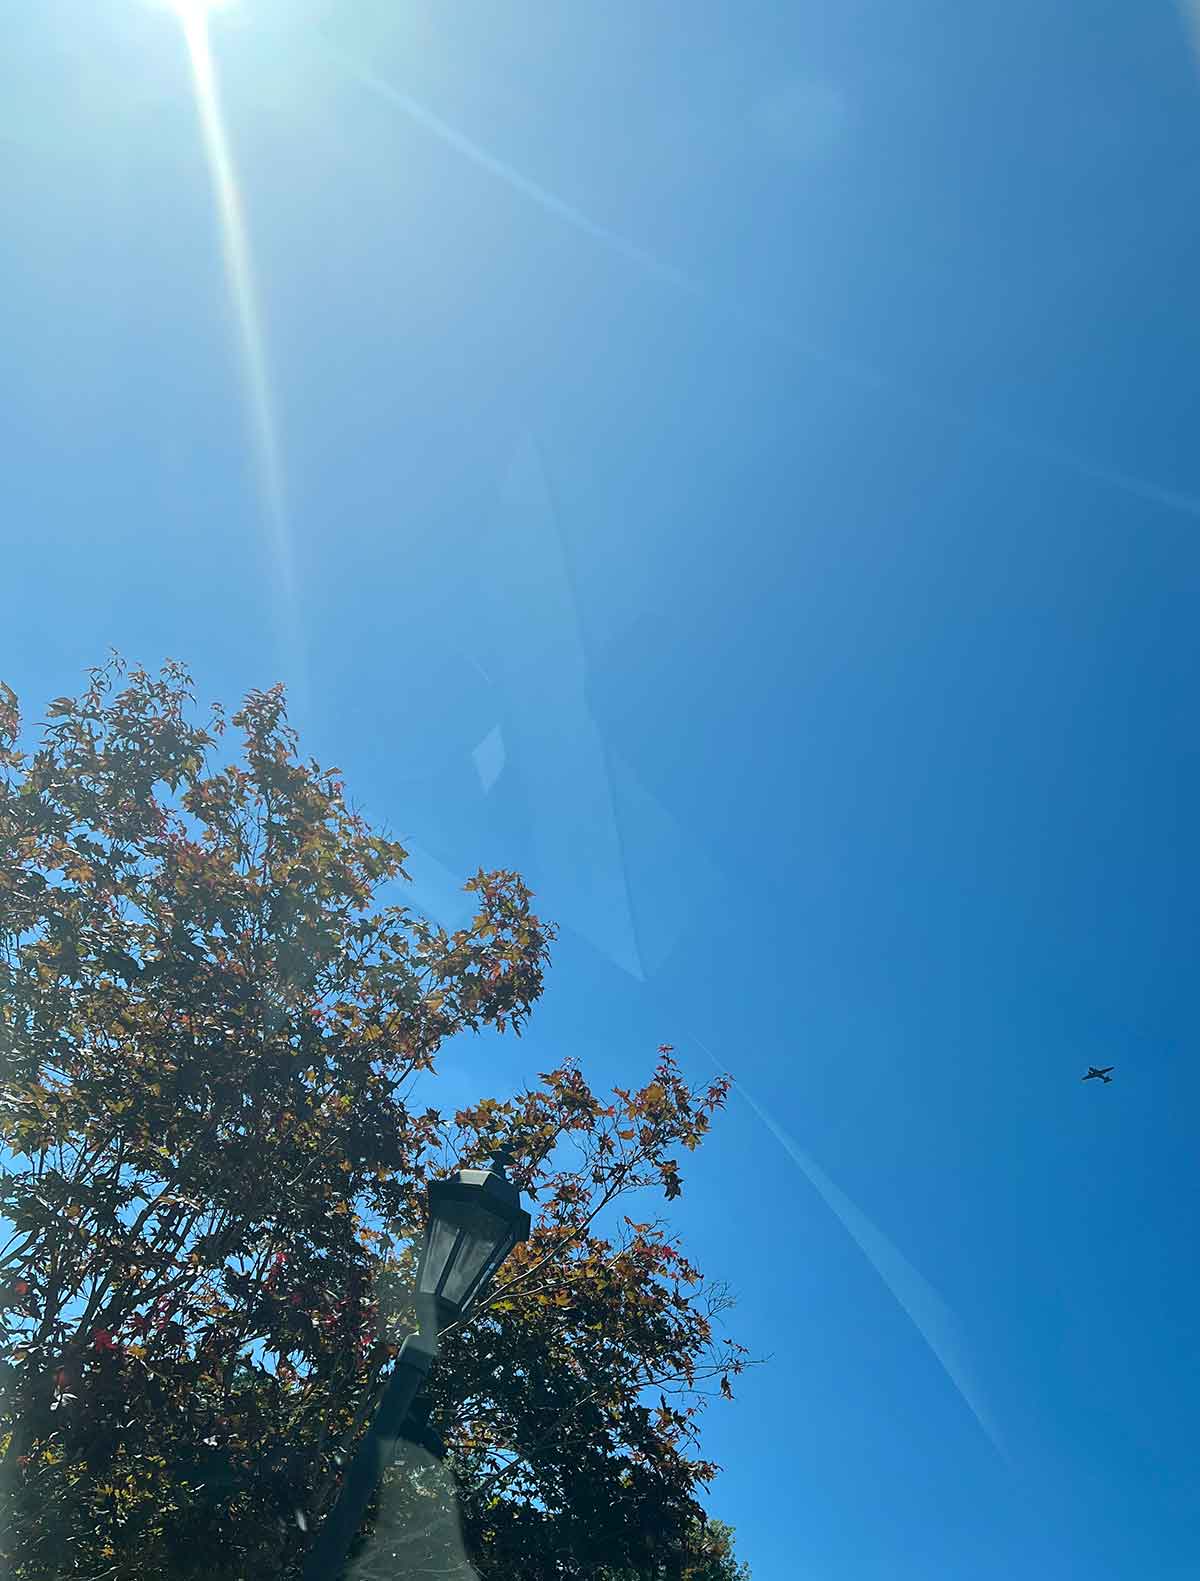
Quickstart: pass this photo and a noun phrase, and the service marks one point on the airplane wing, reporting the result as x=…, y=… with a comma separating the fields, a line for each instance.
x=1104, y=1069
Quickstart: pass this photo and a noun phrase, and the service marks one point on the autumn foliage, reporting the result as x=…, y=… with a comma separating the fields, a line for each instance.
x=213, y=1181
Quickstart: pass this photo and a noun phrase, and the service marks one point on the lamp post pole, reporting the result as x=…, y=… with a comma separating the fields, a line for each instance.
x=376, y=1451
x=475, y=1220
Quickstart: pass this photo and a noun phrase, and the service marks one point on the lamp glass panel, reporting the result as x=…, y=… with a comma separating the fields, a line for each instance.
x=476, y=1255
x=438, y=1252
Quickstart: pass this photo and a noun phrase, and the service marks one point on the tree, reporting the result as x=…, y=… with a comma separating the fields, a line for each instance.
x=708, y=1555
x=714, y=1556
x=210, y=1025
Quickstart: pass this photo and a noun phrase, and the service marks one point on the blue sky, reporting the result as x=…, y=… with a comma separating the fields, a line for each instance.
x=737, y=466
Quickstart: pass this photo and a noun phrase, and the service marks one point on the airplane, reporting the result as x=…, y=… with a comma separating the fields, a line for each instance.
x=1101, y=1074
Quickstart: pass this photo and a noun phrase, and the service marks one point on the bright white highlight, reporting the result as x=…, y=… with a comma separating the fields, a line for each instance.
x=193, y=16
x=186, y=9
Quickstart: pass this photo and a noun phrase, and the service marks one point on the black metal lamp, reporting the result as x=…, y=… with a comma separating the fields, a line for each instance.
x=475, y=1220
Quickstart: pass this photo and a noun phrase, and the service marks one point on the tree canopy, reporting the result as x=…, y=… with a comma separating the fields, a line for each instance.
x=210, y=1027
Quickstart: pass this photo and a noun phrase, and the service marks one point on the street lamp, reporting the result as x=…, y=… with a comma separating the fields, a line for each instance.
x=475, y=1220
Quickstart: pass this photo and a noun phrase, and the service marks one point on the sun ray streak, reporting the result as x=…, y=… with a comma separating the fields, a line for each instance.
x=513, y=178
x=929, y=1314
x=849, y=370
x=239, y=271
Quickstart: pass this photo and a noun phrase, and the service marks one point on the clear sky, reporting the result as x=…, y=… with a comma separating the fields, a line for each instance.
x=737, y=464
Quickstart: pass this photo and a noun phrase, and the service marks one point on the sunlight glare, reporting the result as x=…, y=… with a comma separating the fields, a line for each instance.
x=193, y=8
x=193, y=16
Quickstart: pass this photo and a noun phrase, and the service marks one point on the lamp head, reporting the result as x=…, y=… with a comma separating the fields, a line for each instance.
x=475, y=1220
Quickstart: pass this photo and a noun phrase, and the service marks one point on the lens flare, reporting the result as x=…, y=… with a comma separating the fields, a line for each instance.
x=193, y=16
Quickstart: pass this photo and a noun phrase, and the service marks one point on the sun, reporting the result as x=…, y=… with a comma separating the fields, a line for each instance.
x=194, y=10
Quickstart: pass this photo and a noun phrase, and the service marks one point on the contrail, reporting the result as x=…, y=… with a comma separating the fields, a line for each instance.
x=243, y=294
x=930, y=1315
x=1108, y=477
x=849, y=369
x=513, y=178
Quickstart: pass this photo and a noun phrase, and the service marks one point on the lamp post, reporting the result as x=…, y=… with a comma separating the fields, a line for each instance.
x=475, y=1220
